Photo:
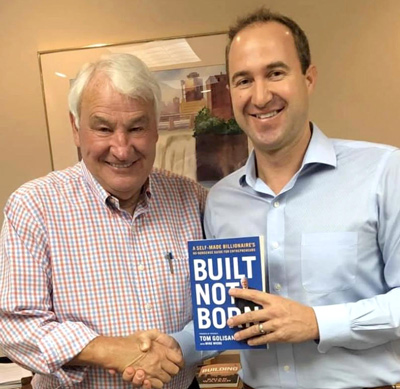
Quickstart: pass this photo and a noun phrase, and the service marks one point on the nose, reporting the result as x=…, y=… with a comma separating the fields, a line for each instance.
x=262, y=94
x=121, y=147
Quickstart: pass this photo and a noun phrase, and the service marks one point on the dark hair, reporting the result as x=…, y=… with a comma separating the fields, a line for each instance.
x=264, y=15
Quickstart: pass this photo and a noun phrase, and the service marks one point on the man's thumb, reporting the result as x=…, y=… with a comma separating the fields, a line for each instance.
x=145, y=339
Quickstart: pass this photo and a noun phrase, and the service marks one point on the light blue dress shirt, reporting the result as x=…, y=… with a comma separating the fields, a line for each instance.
x=332, y=241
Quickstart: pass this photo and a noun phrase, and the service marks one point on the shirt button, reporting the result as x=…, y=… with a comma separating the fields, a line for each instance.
x=276, y=204
x=286, y=368
x=141, y=267
x=149, y=307
x=277, y=287
x=275, y=245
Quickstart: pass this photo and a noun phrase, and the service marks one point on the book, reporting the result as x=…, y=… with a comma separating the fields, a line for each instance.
x=220, y=375
x=216, y=265
x=12, y=375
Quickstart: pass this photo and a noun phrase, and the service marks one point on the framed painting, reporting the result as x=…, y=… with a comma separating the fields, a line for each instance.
x=198, y=137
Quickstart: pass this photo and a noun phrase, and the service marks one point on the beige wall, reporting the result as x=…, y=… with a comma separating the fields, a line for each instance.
x=355, y=42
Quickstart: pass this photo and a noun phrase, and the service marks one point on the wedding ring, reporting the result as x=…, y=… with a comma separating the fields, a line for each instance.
x=261, y=329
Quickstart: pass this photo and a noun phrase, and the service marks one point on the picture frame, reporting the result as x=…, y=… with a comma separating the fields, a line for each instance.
x=192, y=76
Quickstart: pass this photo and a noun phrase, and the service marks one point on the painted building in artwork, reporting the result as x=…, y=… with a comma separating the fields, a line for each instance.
x=218, y=98
x=193, y=87
x=180, y=112
x=192, y=95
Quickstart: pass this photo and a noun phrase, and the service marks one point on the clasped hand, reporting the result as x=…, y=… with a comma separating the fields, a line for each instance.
x=154, y=357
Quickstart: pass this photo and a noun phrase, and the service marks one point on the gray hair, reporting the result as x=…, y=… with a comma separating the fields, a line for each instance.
x=128, y=75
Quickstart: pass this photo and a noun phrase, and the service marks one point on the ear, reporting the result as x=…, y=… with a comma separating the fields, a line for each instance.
x=75, y=131
x=311, y=78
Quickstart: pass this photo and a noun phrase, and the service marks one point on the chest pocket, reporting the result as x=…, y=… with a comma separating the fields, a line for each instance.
x=176, y=284
x=328, y=261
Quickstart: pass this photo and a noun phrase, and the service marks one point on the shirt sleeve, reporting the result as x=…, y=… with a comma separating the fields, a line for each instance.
x=373, y=321
x=30, y=333
x=185, y=339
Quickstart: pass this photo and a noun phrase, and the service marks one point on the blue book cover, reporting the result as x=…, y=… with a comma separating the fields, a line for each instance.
x=216, y=265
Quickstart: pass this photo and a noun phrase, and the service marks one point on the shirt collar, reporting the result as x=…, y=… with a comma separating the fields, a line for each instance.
x=320, y=150
x=94, y=185
x=105, y=197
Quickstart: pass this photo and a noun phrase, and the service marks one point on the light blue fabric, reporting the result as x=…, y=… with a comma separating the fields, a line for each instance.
x=332, y=241
x=191, y=356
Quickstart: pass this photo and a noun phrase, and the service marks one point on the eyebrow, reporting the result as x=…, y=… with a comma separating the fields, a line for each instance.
x=98, y=120
x=142, y=119
x=269, y=67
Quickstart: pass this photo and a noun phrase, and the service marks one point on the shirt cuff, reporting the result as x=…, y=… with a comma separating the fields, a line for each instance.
x=185, y=339
x=62, y=344
x=334, y=326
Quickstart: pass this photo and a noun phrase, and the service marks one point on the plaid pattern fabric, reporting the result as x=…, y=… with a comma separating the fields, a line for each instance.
x=74, y=265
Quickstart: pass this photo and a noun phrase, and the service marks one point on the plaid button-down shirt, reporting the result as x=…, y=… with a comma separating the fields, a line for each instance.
x=74, y=265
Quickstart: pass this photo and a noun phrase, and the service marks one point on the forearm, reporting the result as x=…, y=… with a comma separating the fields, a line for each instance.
x=94, y=354
x=360, y=325
x=106, y=352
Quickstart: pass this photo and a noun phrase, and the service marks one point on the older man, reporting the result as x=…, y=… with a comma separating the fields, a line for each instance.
x=93, y=255
x=330, y=214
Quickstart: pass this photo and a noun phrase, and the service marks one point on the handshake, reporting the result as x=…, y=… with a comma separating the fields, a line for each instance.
x=147, y=359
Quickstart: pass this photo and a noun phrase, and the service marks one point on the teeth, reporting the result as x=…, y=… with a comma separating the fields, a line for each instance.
x=120, y=166
x=267, y=115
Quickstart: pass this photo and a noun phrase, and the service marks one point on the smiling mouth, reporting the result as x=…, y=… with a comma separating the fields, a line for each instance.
x=267, y=115
x=120, y=165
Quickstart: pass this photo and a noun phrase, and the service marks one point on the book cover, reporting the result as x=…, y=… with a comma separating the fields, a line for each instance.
x=220, y=375
x=217, y=265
